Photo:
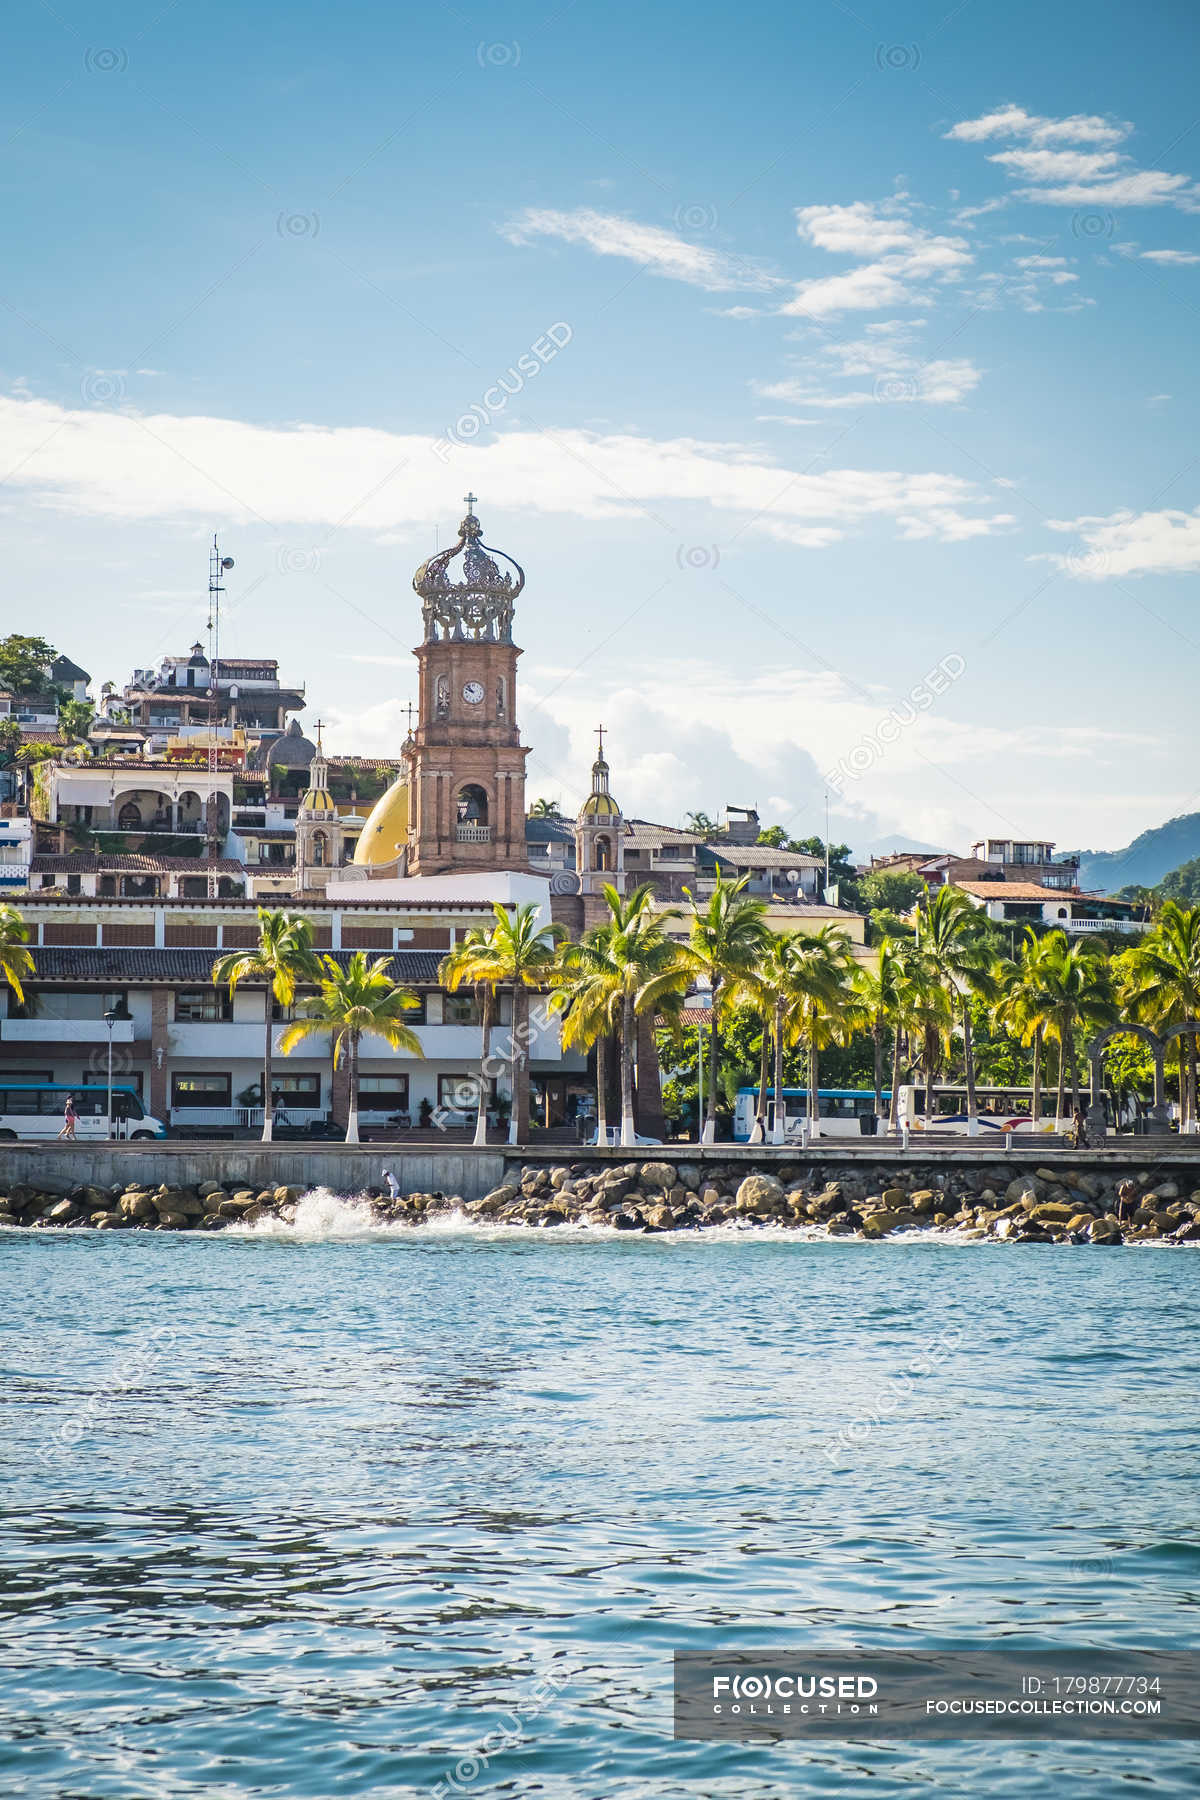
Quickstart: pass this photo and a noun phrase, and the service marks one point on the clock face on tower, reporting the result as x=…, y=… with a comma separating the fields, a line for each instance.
x=473, y=693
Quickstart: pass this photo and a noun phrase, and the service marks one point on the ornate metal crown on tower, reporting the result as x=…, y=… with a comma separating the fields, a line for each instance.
x=477, y=607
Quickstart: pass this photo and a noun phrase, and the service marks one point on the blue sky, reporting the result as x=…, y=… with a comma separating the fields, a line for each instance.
x=855, y=450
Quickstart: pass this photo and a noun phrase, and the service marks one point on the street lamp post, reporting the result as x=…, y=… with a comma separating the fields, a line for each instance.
x=110, y=1019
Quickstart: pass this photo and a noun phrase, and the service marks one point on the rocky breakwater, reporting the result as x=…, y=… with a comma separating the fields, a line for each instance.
x=1047, y=1206
x=1077, y=1206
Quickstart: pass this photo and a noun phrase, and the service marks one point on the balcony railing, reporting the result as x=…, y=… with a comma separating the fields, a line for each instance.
x=1127, y=925
x=71, y=1031
x=245, y=1118
x=473, y=834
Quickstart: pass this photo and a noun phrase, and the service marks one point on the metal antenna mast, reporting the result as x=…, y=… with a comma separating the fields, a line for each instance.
x=217, y=565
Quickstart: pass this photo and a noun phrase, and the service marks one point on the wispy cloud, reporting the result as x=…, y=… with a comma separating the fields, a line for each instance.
x=1100, y=176
x=1181, y=257
x=1129, y=543
x=658, y=251
x=1015, y=122
x=121, y=465
x=903, y=259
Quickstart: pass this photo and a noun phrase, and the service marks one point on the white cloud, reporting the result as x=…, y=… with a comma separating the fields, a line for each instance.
x=129, y=466
x=1057, y=165
x=902, y=256
x=1093, y=178
x=1140, y=187
x=1128, y=543
x=661, y=252
x=1015, y=122
x=1169, y=256
x=902, y=379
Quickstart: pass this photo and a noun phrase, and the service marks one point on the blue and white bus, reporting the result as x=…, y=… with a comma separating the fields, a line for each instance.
x=35, y=1110
x=843, y=1112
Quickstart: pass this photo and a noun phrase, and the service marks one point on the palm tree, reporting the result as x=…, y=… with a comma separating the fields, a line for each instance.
x=924, y=1014
x=545, y=809
x=728, y=935
x=880, y=990
x=1160, y=986
x=473, y=962
x=765, y=988
x=16, y=962
x=624, y=968
x=1076, y=994
x=357, y=999
x=953, y=934
x=824, y=1001
x=282, y=957
x=1020, y=1007
x=588, y=995
x=523, y=953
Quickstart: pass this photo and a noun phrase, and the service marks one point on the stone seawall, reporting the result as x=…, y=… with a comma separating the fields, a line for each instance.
x=1088, y=1198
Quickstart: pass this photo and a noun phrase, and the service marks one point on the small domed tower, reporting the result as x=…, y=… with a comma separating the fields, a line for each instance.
x=600, y=836
x=319, y=831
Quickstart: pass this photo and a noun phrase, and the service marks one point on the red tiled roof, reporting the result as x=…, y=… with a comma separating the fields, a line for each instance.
x=94, y=862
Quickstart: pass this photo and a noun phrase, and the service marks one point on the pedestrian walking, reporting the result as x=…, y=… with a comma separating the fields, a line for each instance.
x=69, y=1118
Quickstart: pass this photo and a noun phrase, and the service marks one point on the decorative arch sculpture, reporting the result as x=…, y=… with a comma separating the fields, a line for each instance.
x=1096, y=1121
x=1189, y=1028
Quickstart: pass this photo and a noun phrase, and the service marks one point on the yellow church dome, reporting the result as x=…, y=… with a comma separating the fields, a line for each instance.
x=317, y=800
x=385, y=833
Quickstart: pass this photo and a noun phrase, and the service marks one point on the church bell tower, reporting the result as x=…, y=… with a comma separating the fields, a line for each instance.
x=466, y=762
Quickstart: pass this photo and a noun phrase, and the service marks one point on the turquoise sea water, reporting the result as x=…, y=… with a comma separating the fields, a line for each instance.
x=318, y=1514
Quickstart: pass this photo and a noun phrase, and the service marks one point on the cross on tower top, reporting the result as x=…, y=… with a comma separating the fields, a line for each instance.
x=410, y=709
x=320, y=724
x=469, y=500
x=600, y=734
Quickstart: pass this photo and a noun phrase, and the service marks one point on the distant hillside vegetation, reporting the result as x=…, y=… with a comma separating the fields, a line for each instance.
x=1144, y=862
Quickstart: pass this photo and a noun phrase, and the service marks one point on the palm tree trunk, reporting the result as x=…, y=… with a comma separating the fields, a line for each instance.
x=969, y=1068
x=1037, y=1080
x=1189, y=1118
x=518, y=1118
x=628, y=1127
x=1060, y=1098
x=352, y=1071
x=486, y=1033
x=930, y=1071
x=877, y=1036
x=602, y=1088
x=894, y=1105
x=759, y=1133
x=1074, y=1064
x=268, y=1076
x=710, y=1106
x=779, y=1135
x=814, y=1083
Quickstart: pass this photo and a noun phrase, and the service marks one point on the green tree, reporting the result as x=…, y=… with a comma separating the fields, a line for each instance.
x=474, y=962
x=703, y=824
x=545, y=809
x=890, y=890
x=726, y=940
x=1159, y=985
x=281, y=959
x=75, y=720
x=1020, y=1006
x=522, y=955
x=16, y=962
x=25, y=663
x=880, y=987
x=624, y=968
x=1077, y=996
x=953, y=935
x=10, y=742
x=824, y=1005
x=354, y=1001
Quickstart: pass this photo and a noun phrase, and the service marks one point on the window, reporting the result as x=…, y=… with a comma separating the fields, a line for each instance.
x=458, y=1093
x=32, y=1077
x=203, y=1006
x=460, y=1009
x=200, y=1090
x=127, y=1078
x=383, y=1093
x=296, y=1090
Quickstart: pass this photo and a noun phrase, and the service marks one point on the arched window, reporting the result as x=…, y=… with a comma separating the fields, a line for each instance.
x=472, y=805
x=603, y=853
x=500, y=697
x=130, y=816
